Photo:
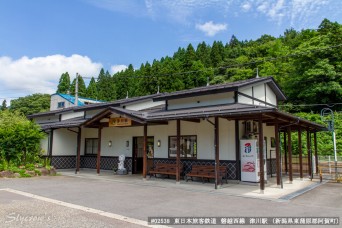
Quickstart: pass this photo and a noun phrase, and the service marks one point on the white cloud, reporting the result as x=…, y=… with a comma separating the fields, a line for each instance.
x=179, y=11
x=246, y=6
x=210, y=28
x=117, y=68
x=186, y=12
x=25, y=76
x=297, y=12
x=304, y=10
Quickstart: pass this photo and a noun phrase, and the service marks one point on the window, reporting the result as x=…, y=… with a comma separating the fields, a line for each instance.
x=60, y=105
x=91, y=146
x=188, y=146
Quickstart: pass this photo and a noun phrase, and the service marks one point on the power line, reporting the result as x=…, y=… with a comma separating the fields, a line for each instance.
x=309, y=105
x=268, y=59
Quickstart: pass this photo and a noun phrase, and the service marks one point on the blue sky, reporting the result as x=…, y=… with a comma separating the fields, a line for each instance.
x=41, y=39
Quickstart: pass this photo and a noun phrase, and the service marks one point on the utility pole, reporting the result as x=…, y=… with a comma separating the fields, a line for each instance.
x=76, y=90
x=331, y=127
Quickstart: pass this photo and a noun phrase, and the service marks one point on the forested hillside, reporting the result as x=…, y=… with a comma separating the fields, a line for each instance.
x=307, y=64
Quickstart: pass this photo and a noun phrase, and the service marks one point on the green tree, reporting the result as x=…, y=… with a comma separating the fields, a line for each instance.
x=203, y=54
x=19, y=138
x=4, y=105
x=82, y=90
x=106, y=87
x=190, y=56
x=31, y=104
x=217, y=53
x=124, y=82
x=91, y=91
x=64, y=83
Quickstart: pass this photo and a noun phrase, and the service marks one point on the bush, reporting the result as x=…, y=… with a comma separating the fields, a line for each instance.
x=24, y=175
x=19, y=138
x=38, y=172
x=30, y=167
x=15, y=169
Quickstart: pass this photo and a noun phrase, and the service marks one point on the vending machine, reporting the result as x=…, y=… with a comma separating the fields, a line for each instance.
x=250, y=165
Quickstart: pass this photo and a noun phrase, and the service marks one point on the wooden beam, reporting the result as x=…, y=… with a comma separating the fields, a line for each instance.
x=98, y=158
x=178, y=152
x=50, y=144
x=261, y=155
x=277, y=145
x=78, y=158
x=289, y=150
x=316, y=151
x=237, y=150
x=285, y=152
x=256, y=99
x=158, y=123
x=217, y=151
x=300, y=153
x=192, y=120
x=145, y=152
x=308, y=145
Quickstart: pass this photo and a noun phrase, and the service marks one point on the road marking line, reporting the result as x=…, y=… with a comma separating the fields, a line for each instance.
x=82, y=208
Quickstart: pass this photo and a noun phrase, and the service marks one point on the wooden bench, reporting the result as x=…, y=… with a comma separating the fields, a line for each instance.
x=208, y=172
x=165, y=169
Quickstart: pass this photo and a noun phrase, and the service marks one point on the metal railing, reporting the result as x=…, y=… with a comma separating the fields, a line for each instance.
x=329, y=169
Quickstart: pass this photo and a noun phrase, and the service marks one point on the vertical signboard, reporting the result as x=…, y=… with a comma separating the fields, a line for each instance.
x=249, y=161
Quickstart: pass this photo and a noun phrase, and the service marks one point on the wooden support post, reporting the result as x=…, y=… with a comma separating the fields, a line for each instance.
x=145, y=152
x=217, y=152
x=308, y=143
x=261, y=156
x=289, y=150
x=300, y=153
x=78, y=158
x=178, y=152
x=50, y=144
x=316, y=151
x=285, y=153
x=237, y=150
x=277, y=145
x=98, y=159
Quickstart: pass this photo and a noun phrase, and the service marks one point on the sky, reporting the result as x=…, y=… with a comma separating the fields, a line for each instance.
x=41, y=39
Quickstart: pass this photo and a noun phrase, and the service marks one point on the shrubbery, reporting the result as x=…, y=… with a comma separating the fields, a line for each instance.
x=19, y=138
x=20, y=151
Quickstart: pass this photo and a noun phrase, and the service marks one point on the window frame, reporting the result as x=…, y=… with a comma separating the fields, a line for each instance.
x=61, y=104
x=85, y=146
x=181, y=138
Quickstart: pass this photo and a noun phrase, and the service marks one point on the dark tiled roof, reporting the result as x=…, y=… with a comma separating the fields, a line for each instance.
x=219, y=88
x=94, y=106
x=209, y=111
x=75, y=122
x=234, y=111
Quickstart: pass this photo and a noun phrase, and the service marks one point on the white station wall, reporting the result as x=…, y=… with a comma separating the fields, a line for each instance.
x=44, y=145
x=204, y=131
x=64, y=142
x=269, y=133
x=71, y=115
x=200, y=101
x=258, y=91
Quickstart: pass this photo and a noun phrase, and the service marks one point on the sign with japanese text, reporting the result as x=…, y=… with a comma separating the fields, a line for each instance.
x=120, y=122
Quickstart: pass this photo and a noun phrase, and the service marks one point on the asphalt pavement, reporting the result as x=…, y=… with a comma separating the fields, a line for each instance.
x=139, y=201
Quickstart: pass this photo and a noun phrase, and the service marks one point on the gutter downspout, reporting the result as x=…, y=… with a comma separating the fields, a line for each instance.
x=78, y=151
